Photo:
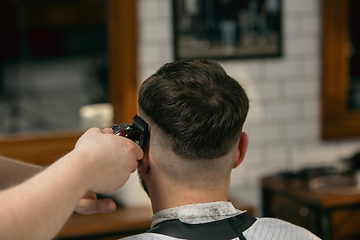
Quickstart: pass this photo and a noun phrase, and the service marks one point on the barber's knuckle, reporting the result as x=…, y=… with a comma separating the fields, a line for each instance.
x=94, y=129
x=130, y=147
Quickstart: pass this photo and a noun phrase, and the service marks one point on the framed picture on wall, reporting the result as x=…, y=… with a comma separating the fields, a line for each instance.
x=227, y=29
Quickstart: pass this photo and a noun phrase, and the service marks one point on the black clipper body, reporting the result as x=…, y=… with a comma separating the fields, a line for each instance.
x=137, y=131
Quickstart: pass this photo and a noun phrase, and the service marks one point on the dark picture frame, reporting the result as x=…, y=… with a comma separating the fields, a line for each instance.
x=227, y=29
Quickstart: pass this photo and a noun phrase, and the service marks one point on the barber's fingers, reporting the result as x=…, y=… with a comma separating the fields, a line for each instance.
x=139, y=152
x=90, y=206
x=107, y=130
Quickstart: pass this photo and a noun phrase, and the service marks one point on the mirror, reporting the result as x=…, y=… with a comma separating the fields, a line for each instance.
x=354, y=61
x=340, y=79
x=53, y=62
x=46, y=147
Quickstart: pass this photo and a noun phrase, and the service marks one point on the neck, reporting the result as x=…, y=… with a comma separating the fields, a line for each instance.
x=168, y=195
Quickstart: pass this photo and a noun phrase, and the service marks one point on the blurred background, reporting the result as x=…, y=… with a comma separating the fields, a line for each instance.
x=53, y=60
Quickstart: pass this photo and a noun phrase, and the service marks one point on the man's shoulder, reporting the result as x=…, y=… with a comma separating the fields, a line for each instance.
x=264, y=228
x=149, y=236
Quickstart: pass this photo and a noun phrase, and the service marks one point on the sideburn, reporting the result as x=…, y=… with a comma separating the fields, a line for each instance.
x=143, y=184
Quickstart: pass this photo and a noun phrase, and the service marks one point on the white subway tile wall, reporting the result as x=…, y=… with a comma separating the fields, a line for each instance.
x=285, y=93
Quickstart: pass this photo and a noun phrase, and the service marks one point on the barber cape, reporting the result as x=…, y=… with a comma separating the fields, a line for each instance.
x=218, y=220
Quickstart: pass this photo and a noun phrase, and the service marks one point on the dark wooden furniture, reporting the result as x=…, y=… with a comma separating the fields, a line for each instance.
x=121, y=223
x=328, y=215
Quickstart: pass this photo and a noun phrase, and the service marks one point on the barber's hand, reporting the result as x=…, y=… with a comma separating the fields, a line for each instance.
x=110, y=159
x=89, y=204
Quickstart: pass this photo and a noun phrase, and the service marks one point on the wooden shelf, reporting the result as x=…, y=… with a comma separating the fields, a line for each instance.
x=330, y=216
x=122, y=222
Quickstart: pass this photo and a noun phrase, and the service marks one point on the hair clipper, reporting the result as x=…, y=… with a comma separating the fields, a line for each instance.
x=137, y=131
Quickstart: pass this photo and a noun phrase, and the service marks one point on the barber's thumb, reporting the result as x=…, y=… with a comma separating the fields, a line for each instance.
x=105, y=205
x=91, y=206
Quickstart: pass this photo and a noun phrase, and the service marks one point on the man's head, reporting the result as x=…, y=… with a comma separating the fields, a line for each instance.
x=197, y=105
x=195, y=113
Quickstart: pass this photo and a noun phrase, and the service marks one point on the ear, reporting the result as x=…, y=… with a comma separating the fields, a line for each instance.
x=144, y=165
x=242, y=148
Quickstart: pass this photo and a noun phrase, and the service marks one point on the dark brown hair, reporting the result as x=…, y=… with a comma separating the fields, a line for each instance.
x=198, y=105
